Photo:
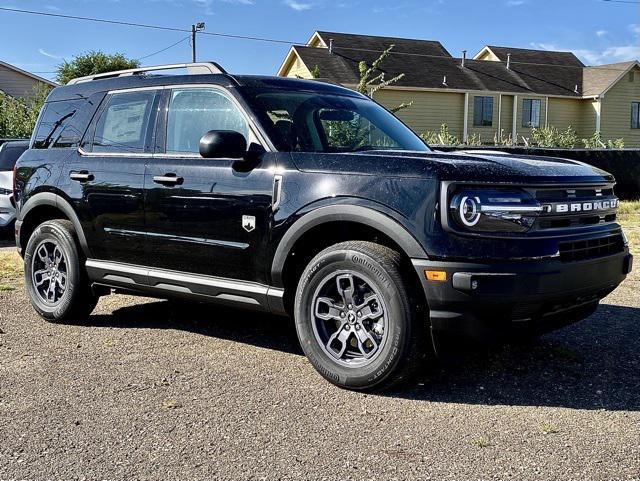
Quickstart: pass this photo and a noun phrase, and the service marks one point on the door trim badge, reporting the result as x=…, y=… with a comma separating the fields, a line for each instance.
x=249, y=222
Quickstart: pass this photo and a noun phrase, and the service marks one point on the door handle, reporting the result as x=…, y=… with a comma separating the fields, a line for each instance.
x=82, y=176
x=168, y=179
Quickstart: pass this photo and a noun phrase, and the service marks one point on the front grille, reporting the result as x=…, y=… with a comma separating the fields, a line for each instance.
x=590, y=248
x=575, y=207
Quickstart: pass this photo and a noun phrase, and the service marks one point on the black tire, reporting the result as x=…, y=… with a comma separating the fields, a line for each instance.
x=400, y=349
x=76, y=300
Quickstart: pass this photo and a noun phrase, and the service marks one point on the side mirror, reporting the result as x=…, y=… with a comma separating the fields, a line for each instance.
x=223, y=144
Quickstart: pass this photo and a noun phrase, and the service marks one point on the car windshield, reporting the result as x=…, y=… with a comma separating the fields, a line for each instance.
x=307, y=121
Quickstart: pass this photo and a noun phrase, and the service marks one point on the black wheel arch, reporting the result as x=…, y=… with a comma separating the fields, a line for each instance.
x=356, y=214
x=48, y=201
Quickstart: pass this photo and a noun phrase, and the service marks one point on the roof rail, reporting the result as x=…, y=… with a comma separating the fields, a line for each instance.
x=192, y=69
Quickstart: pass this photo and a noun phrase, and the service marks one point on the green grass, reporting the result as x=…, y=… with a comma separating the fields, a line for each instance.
x=10, y=271
x=548, y=428
x=481, y=442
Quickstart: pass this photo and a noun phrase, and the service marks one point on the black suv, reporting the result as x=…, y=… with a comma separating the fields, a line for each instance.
x=308, y=199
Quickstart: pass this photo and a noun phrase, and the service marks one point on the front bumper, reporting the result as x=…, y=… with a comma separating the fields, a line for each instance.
x=480, y=300
x=7, y=211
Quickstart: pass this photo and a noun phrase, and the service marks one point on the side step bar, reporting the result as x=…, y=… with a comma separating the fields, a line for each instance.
x=167, y=283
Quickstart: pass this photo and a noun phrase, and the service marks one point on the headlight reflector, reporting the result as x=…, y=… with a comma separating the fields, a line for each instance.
x=494, y=210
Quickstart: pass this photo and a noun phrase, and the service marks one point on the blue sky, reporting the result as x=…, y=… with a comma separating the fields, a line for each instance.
x=597, y=31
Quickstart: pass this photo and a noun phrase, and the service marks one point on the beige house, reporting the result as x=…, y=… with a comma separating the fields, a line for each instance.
x=500, y=92
x=16, y=82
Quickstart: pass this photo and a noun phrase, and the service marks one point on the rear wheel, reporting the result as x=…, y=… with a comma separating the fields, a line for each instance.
x=54, y=273
x=355, y=319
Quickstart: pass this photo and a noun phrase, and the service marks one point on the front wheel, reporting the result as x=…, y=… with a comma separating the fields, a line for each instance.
x=54, y=275
x=355, y=318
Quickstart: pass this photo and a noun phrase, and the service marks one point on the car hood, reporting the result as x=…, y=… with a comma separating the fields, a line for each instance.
x=474, y=166
x=6, y=179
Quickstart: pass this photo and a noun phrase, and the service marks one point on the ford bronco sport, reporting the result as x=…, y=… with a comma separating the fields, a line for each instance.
x=304, y=198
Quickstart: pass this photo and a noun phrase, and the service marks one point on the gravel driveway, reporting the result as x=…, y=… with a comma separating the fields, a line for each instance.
x=147, y=390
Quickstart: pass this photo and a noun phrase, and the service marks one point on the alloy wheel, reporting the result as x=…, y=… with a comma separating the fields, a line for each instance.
x=49, y=268
x=349, y=318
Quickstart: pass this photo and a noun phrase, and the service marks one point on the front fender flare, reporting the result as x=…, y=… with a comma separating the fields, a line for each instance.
x=53, y=200
x=350, y=213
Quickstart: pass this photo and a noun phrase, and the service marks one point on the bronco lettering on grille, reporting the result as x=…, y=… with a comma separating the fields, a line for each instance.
x=595, y=205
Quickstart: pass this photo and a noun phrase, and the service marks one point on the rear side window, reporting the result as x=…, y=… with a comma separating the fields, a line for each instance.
x=9, y=154
x=123, y=125
x=195, y=111
x=55, y=117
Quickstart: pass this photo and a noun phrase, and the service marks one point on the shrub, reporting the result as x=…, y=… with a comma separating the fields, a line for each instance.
x=551, y=137
x=442, y=137
x=596, y=142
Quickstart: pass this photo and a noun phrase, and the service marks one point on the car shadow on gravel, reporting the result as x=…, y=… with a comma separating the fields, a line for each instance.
x=594, y=364
x=255, y=328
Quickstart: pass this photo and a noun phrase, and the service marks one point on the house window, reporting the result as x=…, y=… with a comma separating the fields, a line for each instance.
x=635, y=115
x=482, y=111
x=531, y=113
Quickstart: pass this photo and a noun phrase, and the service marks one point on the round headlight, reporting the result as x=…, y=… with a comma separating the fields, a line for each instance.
x=469, y=210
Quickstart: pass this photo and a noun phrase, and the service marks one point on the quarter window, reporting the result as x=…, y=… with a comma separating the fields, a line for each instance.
x=482, y=111
x=195, y=111
x=531, y=113
x=124, y=124
x=53, y=120
x=635, y=115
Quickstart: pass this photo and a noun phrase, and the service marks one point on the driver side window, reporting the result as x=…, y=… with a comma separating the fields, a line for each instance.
x=194, y=111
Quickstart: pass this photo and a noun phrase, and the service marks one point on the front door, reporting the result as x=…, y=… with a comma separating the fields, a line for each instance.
x=105, y=177
x=206, y=216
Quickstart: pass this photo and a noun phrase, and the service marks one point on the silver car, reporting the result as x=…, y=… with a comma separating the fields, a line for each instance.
x=9, y=154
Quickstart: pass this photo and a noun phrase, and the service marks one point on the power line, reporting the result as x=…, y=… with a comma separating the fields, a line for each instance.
x=264, y=39
x=166, y=48
x=143, y=25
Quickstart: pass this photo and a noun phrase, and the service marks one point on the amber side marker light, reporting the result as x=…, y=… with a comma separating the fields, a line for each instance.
x=436, y=276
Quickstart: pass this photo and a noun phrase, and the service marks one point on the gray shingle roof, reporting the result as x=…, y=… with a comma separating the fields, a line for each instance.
x=372, y=42
x=341, y=66
x=525, y=55
x=598, y=79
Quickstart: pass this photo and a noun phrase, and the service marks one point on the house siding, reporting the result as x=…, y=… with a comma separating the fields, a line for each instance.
x=616, y=111
x=15, y=83
x=298, y=69
x=577, y=114
x=429, y=110
x=506, y=124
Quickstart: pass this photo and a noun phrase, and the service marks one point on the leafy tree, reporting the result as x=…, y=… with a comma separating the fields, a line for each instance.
x=18, y=116
x=371, y=81
x=92, y=63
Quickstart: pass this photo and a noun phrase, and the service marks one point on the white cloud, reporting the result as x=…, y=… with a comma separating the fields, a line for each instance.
x=298, y=6
x=601, y=33
x=596, y=57
x=515, y=3
x=50, y=55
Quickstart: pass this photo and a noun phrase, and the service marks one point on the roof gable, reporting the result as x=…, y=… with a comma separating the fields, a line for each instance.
x=599, y=79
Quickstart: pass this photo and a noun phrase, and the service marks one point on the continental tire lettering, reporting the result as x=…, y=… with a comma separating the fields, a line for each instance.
x=377, y=272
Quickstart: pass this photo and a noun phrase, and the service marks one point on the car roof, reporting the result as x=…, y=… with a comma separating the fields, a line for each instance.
x=86, y=89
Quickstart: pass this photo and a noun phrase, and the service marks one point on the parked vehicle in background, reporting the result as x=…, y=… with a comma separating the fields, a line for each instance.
x=304, y=198
x=10, y=151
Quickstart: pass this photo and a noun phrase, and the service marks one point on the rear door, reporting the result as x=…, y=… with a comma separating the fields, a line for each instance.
x=105, y=177
x=206, y=216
